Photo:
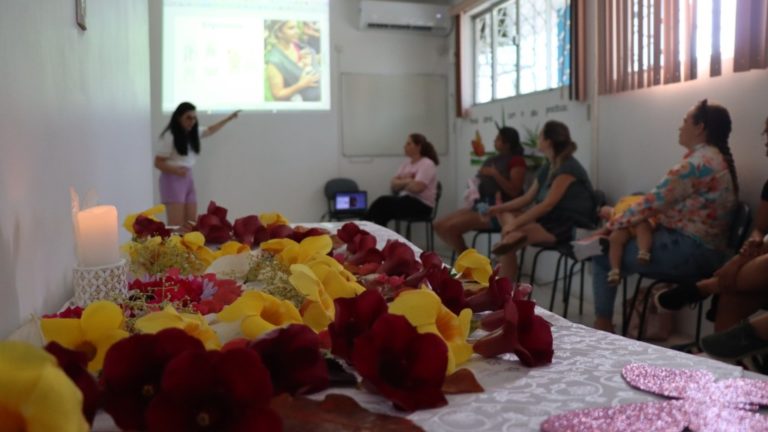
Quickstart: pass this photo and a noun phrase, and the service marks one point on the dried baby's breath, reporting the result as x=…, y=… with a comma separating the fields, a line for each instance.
x=267, y=270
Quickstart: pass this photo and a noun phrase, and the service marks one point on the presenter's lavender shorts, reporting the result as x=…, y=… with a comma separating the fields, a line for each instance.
x=177, y=189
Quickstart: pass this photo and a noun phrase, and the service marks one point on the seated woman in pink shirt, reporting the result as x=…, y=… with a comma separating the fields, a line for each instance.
x=414, y=186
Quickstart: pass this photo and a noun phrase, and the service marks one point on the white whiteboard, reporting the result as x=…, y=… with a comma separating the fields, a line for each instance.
x=380, y=111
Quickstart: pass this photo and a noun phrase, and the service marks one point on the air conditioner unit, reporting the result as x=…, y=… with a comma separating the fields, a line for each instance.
x=391, y=15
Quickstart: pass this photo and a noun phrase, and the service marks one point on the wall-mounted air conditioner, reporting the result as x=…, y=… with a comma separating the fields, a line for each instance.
x=391, y=15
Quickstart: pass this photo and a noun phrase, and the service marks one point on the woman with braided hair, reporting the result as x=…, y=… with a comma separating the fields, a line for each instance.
x=693, y=205
x=741, y=284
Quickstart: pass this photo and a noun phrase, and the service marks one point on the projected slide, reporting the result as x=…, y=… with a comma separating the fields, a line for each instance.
x=246, y=54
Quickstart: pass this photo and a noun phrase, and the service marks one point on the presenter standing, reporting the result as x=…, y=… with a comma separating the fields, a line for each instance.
x=175, y=157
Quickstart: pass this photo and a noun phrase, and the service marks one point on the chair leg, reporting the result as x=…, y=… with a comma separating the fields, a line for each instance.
x=624, y=307
x=474, y=239
x=631, y=309
x=535, y=261
x=520, y=266
x=430, y=246
x=581, y=289
x=645, y=309
x=700, y=308
x=554, y=283
x=408, y=230
x=568, y=288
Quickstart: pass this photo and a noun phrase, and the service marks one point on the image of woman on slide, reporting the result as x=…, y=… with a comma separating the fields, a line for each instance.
x=292, y=67
x=177, y=152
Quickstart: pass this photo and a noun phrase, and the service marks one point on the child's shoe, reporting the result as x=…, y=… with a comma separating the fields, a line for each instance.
x=614, y=277
x=643, y=257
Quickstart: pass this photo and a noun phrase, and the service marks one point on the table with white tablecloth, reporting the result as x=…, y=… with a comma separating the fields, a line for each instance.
x=585, y=373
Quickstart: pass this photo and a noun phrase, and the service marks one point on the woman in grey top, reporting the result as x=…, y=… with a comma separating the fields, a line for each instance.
x=291, y=66
x=562, y=198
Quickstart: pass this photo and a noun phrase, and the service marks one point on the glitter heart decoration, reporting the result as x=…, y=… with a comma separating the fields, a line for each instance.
x=699, y=403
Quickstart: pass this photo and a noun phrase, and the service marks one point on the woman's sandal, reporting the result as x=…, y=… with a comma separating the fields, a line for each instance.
x=644, y=257
x=614, y=277
x=503, y=247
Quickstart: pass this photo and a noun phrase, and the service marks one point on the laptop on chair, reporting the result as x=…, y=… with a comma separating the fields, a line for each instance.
x=350, y=203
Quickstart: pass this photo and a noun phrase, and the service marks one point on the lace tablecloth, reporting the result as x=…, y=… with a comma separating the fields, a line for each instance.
x=585, y=373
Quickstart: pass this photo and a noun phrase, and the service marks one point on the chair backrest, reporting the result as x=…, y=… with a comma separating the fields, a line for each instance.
x=339, y=184
x=437, y=200
x=740, y=224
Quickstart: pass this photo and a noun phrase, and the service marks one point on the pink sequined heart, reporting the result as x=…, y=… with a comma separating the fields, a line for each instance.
x=700, y=404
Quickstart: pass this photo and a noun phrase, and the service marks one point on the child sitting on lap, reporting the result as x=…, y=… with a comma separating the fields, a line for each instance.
x=642, y=230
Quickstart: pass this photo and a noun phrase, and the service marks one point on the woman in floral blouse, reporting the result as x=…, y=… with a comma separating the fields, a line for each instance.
x=693, y=205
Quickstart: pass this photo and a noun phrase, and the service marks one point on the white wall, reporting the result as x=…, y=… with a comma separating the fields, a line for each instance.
x=638, y=131
x=280, y=162
x=75, y=113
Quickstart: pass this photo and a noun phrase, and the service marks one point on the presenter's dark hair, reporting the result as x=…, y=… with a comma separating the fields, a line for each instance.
x=183, y=140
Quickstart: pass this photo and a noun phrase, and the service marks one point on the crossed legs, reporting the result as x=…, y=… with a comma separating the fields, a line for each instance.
x=451, y=228
x=532, y=233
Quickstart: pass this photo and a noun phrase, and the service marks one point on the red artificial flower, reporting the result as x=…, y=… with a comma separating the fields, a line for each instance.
x=388, y=286
x=431, y=260
x=145, y=226
x=171, y=287
x=75, y=365
x=449, y=289
x=354, y=316
x=300, y=233
x=399, y=259
x=348, y=231
x=214, y=224
x=367, y=256
x=519, y=330
x=70, y=312
x=133, y=369
x=216, y=391
x=494, y=297
x=249, y=230
x=279, y=231
x=292, y=356
x=227, y=291
x=405, y=366
x=500, y=289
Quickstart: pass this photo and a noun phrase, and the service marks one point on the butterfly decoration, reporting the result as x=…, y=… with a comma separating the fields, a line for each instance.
x=699, y=404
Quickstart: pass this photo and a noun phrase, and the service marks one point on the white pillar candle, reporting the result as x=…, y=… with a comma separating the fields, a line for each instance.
x=97, y=236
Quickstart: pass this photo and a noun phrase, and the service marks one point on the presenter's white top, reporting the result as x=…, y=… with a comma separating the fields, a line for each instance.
x=166, y=149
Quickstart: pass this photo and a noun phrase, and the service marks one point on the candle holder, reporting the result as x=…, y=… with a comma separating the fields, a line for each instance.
x=109, y=282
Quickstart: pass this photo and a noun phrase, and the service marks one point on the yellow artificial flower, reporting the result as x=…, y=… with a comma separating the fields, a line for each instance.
x=427, y=313
x=318, y=310
x=321, y=282
x=471, y=265
x=333, y=279
x=35, y=393
x=150, y=213
x=195, y=243
x=192, y=324
x=268, y=219
x=259, y=313
x=101, y=325
x=288, y=252
x=232, y=248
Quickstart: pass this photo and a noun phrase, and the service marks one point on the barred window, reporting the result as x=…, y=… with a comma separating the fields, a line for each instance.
x=521, y=46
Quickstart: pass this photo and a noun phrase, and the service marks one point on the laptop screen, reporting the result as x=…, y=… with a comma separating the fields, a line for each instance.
x=351, y=201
